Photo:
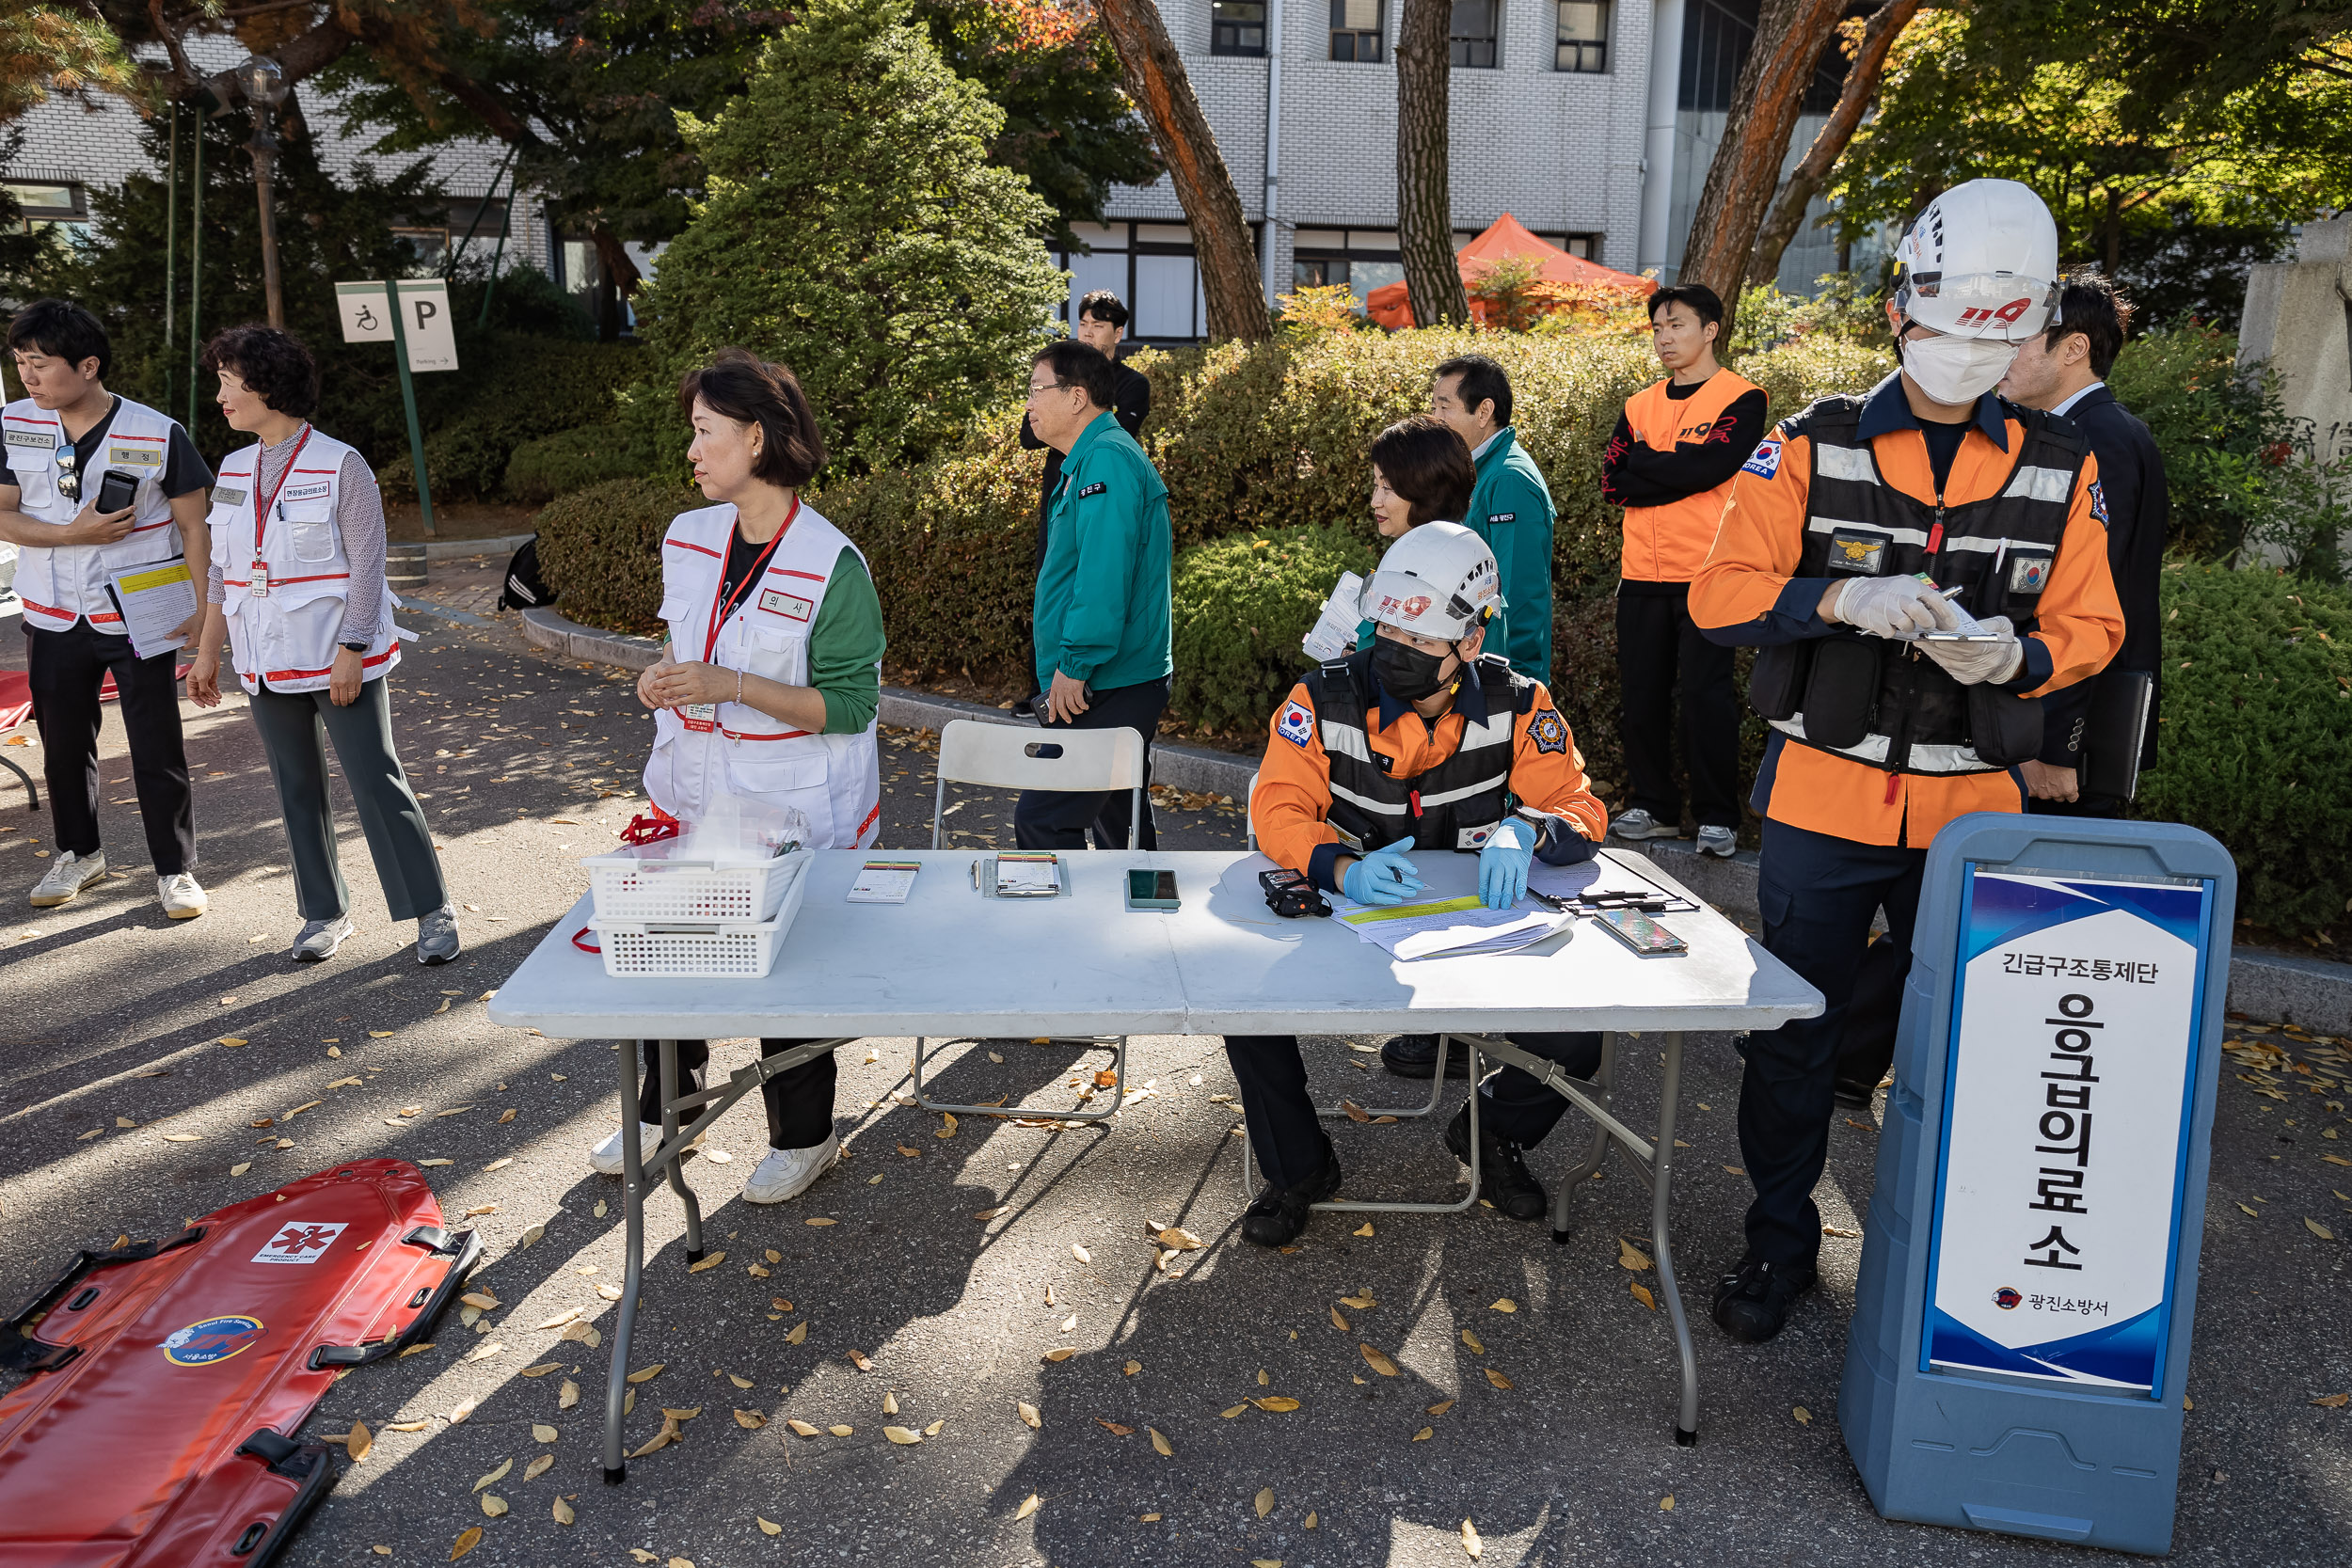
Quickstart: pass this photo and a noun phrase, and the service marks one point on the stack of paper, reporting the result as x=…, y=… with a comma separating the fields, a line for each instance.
x=1451, y=927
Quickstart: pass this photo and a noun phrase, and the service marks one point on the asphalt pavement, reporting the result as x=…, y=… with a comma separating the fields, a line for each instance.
x=1546, y=1424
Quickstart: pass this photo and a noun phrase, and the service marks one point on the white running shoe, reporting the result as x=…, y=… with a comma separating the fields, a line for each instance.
x=605, y=1159
x=790, y=1172
x=1635, y=824
x=181, y=898
x=1722, y=843
x=68, y=875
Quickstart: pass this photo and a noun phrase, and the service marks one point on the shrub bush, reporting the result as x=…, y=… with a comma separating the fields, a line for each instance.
x=600, y=550
x=515, y=389
x=1240, y=604
x=2210, y=423
x=540, y=470
x=2255, y=744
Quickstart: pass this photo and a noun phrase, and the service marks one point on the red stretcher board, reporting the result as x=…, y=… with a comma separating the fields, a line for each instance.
x=167, y=1382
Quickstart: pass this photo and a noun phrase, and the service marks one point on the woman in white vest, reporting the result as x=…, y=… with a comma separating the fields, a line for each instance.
x=766, y=691
x=298, y=584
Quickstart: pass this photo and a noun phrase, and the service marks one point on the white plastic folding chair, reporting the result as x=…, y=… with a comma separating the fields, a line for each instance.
x=1006, y=756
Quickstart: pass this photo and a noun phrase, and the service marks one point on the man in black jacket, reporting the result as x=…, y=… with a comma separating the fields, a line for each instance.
x=1102, y=322
x=2065, y=372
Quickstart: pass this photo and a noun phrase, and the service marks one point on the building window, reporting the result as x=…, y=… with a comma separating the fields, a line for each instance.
x=1237, y=27
x=1318, y=272
x=1470, y=37
x=1584, y=36
x=428, y=249
x=1355, y=30
x=60, y=206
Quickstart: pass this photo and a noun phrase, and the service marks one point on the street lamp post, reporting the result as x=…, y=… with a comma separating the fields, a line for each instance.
x=263, y=83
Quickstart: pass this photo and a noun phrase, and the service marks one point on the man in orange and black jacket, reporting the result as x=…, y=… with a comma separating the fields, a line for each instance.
x=1844, y=533
x=1416, y=744
x=1670, y=464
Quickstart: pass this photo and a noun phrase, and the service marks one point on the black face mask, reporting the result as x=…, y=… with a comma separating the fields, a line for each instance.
x=1406, y=672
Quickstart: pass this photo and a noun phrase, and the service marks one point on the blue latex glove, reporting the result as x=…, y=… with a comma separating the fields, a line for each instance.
x=1502, y=864
x=1383, y=877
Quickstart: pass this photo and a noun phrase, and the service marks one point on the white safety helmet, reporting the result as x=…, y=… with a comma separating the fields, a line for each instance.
x=1982, y=262
x=1440, y=581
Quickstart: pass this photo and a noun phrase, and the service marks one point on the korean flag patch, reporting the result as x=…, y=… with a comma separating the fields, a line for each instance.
x=1765, y=461
x=1549, y=730
x=2028, y=574
x=2099, y=503
x=1296, y=726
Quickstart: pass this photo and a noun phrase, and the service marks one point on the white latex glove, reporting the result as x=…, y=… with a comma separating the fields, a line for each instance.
x=1900, y=607
x=1333, y=635
x=1972, y=663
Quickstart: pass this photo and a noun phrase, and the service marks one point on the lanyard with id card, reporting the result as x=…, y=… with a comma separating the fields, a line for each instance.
x=257, y=576
x=703, y=718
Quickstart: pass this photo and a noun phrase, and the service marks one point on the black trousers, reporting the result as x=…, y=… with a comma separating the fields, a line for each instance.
x=1818, y=894
x=1662, y=655
x=1052, y=819
x=1287, y=1137
x=800, y=1100
x=65, y=668
x=294, y=727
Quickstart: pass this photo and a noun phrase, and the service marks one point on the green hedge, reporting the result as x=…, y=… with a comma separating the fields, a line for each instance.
x=520, y=389
x=2255, y=742
x=600, y=550
x=539, y=470
x=1240, y=607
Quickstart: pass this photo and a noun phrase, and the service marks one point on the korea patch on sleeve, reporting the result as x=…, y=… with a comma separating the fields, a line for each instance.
x=1296, y=725
x=2028, y=574
x=2099, y=503
x=1765, y=461
x=1549, y=730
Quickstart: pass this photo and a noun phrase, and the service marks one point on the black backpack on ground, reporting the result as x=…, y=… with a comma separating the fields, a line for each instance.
x=525, y=588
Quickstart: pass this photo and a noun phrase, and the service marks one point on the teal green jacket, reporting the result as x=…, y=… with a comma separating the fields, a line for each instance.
x=1511, y=508
x=1102, y=605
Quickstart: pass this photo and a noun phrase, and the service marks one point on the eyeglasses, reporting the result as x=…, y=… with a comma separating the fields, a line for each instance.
x=69, y=481
x=1051, y=386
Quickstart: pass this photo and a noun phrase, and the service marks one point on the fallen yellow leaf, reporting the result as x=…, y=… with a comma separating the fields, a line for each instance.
x=492, y=1504
x=1666, y=1503
x=467, y=1540
x=820, y=1221
x=1029, y=1505
x=859, y=1359
x=1361, y=1301
x=643, y=1373
x=563, y=1514
x=1265, y=1501
x=1497, y=1379
x=800, y=1332
x=359, y=1441
x=1028, y=1415
x=766, y=1527
x=1338, y=1321
x=1641, y=1293
x=539, y=1466
x=2333, y=1402
x=1277, y=1403
x=803, y=1428
x=1378, y=1362
x=1804, y=1416
x=1476, y=1345
x=542, y=1432
x=1081, y=1253
x=569, y=1396
x=1061, y=1353
x=710, y=1262
x=1160, y=1443
x=890, y=1403
x=2319, y=1230
x=903, y=1437
x=949, y=1130
x=1471, y=1543
x=750, y=1420
x=1505, y=1304
x=498, y=1475
x=1632, y=1257
x=1424, y=1434
x=1363, y=1230
x=1229, y=1415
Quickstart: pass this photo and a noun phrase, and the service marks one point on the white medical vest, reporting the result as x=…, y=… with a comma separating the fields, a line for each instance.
x=287, y=636
x=833, y=780
x=63, y=584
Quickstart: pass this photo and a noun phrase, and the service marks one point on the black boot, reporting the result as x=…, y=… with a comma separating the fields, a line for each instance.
x=1752, y=1303
x=1281, y=1212
x=1502, y=1173
x=1416, y=1057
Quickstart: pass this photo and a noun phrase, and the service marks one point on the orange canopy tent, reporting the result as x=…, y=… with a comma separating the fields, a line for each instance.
x=1390, y=306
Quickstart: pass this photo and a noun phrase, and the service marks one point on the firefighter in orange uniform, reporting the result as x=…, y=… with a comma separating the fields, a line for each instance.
x=1415, y=745
x=1858, y=530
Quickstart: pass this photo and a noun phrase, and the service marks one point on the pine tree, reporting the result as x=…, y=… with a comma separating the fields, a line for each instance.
x=855, y=230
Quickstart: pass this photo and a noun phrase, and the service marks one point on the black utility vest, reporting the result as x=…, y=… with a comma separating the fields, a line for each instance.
x=1882, y=702
x=1453, y=805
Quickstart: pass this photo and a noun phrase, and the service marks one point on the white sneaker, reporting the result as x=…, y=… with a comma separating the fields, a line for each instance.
x=605, y=1159
x=1722, y=843
x=181, y=898
x=1636, y=824
x=790, y=1172
x=68, y=875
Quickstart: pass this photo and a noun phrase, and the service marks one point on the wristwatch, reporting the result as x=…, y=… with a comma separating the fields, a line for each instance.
x=354, y=647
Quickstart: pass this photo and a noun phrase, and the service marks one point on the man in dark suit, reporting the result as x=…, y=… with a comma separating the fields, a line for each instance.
x=1102, y=322
x=2065, y=372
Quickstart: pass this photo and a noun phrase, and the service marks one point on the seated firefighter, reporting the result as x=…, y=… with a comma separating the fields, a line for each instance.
x=1416, y=743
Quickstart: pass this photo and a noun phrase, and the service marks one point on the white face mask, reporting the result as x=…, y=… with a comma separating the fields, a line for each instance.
x=1957, y=369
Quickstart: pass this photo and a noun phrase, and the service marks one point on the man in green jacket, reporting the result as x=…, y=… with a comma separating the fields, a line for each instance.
x=1102, y=608
x=1511, y=508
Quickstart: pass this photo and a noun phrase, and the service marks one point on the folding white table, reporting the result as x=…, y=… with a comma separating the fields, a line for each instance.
x=948, y=962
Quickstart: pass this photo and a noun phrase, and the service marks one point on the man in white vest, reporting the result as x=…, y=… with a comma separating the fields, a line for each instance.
x=64, y=440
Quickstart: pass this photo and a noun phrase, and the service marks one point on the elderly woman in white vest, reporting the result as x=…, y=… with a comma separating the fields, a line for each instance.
x=297, y=583
x=766, y=691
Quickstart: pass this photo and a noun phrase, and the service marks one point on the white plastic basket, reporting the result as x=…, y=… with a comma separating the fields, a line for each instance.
x=645, y=884
x=641, y=950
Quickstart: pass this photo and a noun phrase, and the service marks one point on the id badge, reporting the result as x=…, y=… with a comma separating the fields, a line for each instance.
x=702, y=717
x=257, y=581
